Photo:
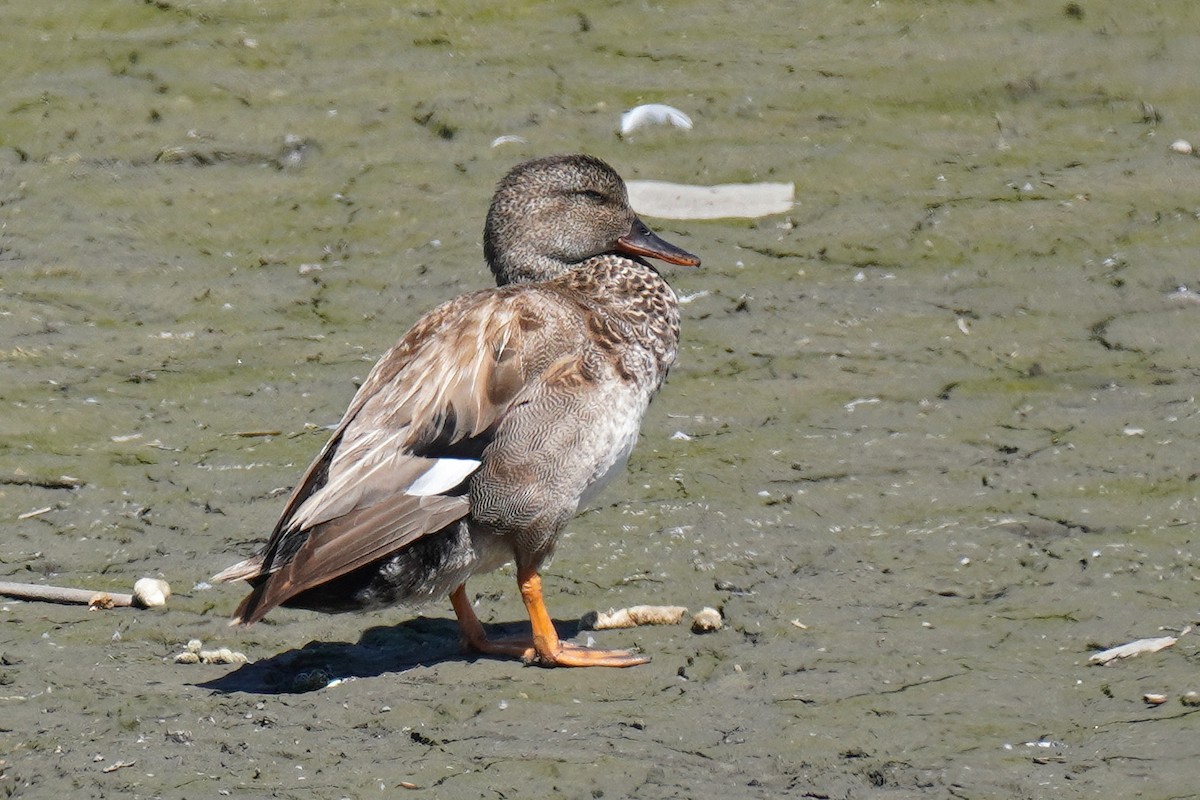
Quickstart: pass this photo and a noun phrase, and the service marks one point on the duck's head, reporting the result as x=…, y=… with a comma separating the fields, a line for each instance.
x=552, y=213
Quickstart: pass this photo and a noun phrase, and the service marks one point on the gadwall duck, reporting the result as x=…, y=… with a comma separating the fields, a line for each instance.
x=491, y=423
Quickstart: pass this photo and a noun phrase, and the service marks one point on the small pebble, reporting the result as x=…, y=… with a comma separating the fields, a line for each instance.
x=1182, y=146
x=1190, y=699
x=706, y=620
x=1154, y=698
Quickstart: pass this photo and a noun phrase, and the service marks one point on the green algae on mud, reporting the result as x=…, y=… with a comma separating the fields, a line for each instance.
x=936, y=421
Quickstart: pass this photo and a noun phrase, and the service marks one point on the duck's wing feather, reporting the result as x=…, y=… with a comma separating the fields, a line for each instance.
x=393, y=469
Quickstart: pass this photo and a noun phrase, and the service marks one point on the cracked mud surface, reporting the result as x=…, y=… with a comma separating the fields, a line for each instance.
x=940, y=420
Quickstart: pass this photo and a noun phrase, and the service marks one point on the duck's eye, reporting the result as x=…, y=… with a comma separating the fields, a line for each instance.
x=592, y=196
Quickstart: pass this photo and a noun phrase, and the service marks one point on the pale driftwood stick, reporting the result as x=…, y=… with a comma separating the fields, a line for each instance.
x=1135, y=648
x=62, y=594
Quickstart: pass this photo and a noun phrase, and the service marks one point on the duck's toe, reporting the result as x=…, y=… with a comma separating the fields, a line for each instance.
x=574, y=655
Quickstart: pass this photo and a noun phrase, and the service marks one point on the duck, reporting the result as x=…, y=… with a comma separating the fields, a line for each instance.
x=491, y=423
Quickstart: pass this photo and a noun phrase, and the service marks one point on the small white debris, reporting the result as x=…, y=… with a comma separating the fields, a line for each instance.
x=1130, y=431
x=1183, y=294
x=508, y=139
x=706, y=620
x=1154, y=698
x=862, y=401
x=680, y=436
x=632, y=617
x=1183, y=147
x=194, y=653
x=962, y=326
x=1135, y=648
x=1044, y=743
x=151, y=593
x=654, y=114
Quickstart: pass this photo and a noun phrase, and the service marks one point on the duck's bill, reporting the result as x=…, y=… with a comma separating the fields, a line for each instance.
x=641, y=241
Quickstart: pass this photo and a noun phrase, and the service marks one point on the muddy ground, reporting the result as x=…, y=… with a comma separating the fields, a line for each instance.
x=940, y=420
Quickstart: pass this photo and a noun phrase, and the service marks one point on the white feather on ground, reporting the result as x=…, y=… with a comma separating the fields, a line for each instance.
x=654, y=114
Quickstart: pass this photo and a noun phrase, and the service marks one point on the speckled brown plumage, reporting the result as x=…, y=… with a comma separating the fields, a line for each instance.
x=500, y=413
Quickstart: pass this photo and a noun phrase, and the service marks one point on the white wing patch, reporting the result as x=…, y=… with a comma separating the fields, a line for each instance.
x=445, y=474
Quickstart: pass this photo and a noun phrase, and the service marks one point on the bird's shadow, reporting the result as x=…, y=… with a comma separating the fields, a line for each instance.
x=420, y=641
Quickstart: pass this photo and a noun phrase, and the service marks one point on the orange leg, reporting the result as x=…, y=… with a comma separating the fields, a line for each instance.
x=474, y=637
x=551, y=652
x=545, y=648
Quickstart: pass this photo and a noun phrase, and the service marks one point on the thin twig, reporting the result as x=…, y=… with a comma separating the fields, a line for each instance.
x=63, y=594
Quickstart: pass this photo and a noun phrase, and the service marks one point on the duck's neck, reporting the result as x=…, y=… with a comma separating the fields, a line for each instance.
x=517, y=266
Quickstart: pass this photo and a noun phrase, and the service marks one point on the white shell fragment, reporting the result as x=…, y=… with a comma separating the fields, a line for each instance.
x=632, y=617
x=1135, y=648
x=682, y=201
x=706, y=620
x=1154, y=698
x=1182, y=146
x=151, y=593
x=654, y=114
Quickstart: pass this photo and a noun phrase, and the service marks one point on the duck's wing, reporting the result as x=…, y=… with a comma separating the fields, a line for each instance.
x=394, y=468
